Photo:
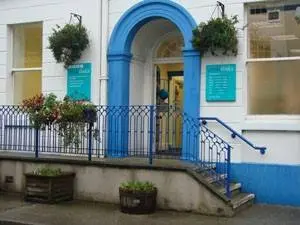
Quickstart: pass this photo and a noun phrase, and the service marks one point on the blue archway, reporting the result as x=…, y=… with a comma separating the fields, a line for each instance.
x=119, y=53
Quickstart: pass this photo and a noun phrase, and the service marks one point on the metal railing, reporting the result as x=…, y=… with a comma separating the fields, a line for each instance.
x=234, y=133
x=150, y=132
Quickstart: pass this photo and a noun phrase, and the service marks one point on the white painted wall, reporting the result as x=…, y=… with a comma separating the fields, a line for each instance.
x=50, y=12
x=280, y=134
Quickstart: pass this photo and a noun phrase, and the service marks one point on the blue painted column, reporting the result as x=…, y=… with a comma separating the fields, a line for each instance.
x=192, y=83
x=118, y=105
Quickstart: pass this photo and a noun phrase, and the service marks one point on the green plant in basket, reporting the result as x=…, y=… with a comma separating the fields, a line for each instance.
x=46, y=171
x=138, y=186
x=67, y=116
x=218, y=34
x=42, y=110
x=67, y=43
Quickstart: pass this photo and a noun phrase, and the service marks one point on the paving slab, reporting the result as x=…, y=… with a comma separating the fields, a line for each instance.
x=12, y=208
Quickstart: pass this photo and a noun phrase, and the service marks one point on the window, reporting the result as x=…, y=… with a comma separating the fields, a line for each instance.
x=27, y=61
x=273, y=63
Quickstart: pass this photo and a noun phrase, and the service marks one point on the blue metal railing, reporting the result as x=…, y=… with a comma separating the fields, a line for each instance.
x=234, y=134
x=150, y=132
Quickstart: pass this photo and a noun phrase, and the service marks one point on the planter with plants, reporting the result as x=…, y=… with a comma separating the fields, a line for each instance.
x=217, y=35
x=67, y=43
x=137, y=197
x=48, y=185
x=68, y=117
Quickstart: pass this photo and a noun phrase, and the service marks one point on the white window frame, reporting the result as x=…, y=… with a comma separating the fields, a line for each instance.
x=12, y=69
x=280, y=122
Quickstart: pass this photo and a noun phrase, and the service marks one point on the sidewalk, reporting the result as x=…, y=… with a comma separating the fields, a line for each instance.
x=12, y=208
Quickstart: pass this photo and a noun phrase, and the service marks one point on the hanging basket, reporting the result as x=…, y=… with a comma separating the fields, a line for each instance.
x=67, y=43
x=218, y=34
x=90, y=115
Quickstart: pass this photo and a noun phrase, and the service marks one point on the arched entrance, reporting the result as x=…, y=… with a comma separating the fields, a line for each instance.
x=119, y=55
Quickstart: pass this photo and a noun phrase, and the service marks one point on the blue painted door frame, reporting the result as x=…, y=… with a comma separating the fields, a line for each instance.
x=119, y=56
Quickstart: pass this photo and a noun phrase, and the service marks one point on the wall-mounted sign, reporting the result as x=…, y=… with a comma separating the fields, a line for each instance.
x=221, y=83
x=79, y=81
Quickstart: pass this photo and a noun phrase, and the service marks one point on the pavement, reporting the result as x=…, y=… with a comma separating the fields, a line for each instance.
x=13, y=208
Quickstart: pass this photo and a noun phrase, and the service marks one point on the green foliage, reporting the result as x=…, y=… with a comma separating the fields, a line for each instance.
x=297, y=18
x=217, y=34
x=45, y=171
x=68, y=117
x=138, y=186
x=42, y=110
x=68, y=43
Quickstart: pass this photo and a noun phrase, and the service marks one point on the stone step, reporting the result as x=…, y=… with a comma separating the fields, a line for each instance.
x=217, y=178
x=235, y=189
x=200, y=169
x=242, y=201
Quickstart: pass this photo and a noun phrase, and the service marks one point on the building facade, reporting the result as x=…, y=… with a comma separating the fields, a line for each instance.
x=138, y=48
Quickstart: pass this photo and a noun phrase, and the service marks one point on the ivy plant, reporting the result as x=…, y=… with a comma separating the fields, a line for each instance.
x=67, y=43
x=218, y=34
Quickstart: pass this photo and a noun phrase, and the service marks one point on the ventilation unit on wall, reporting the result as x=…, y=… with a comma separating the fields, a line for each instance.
x=273, y=16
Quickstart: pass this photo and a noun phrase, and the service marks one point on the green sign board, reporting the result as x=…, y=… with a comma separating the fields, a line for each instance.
x=221, y=83
x=79, y=81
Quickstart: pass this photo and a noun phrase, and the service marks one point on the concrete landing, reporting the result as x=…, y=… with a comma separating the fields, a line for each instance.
x=79, y=213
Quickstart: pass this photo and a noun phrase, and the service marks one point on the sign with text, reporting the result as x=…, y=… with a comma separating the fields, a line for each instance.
x=221, y=83
x=79, y=81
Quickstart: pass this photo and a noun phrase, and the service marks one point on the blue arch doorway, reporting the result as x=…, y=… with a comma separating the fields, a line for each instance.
x=119, y=57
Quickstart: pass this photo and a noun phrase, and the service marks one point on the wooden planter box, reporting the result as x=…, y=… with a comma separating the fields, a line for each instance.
x=137, y=203
x=49, y=189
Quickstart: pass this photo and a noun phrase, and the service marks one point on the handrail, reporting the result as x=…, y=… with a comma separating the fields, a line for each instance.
x=234, y=134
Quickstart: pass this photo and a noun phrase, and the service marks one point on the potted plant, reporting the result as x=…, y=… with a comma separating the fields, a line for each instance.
x=137, y=197
x=46, y=185
x=67, y=43
x=218, y=34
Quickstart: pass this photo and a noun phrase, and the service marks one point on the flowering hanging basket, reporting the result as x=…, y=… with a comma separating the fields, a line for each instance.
x=67, y=116
x=218, y=34
x=68, y=43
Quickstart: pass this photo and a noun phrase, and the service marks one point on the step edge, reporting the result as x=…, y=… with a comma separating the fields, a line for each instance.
x=233, y=187
x=246, y=198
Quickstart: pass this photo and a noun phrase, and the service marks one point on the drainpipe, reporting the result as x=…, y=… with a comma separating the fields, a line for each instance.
x=103, y=79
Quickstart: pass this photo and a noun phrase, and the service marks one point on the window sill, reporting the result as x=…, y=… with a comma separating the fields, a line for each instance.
x=271, y=123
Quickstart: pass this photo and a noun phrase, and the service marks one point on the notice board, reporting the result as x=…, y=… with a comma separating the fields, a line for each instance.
x=221, y=83
x=79, y=81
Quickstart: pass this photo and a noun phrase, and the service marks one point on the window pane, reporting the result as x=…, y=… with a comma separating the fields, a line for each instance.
x=274, y=87
x=26, y=85
x=27, y=45
x=273, y=30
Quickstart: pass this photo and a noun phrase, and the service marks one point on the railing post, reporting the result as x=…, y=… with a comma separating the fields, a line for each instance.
x=36, y=142
x=151, y=134
x=90, y=141
x=228, y=178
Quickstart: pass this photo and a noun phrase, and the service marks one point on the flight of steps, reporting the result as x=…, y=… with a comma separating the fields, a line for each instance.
x=238, y=200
